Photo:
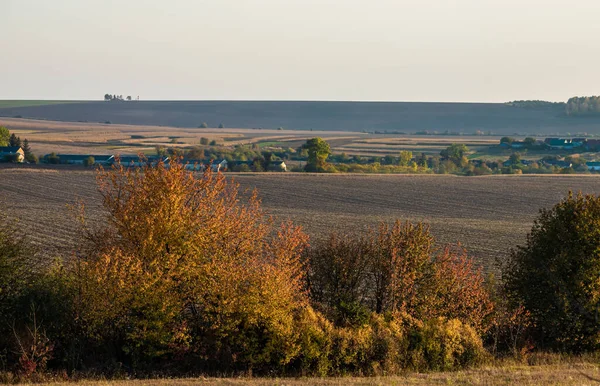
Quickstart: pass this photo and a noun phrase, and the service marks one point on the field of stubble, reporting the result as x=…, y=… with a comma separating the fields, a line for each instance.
x=488, y=215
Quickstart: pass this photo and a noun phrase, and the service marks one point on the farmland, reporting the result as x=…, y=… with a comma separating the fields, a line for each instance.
x=487, y=214
x=319, y=116
x=101, y=138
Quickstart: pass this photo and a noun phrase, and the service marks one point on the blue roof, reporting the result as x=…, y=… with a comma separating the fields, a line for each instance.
x=9, y=149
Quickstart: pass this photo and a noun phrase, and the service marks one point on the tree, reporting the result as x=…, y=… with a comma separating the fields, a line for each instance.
x=318, y=151
x=14, y=141
x=555, y=274
x=202, y=283
x=108, y=97
x=389, y=159
x=405, y=157
x=213, y=143
x=221, y=126
x=129, y=97
x=455, y=152
x=4, y=136
x=204, y=125
x=515, y=158
x=507, y=140
x=89, y=161
x=52, y=158
x=26, y=148
x=529, y=141
x=204, y=141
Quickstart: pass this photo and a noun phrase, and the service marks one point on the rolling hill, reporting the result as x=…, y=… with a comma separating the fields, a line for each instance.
x=349, y=116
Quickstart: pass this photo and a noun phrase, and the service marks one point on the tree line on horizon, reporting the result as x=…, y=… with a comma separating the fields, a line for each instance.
x=575, y=106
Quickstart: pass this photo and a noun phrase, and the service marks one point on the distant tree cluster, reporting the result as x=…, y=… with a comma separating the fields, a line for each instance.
x=8, y=139
x=583, y=106
x=115, y=97
x=534, y=104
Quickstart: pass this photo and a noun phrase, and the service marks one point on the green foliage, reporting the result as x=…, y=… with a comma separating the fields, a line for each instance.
x=515, y=158
x=89, y=161
x=583, y=106
x=14, y=140
x=52, y=158
x=442, y=345
x=535, y=104
x=405, y=157
x=318, y=151
x=4, y=136
x=29, y=156
x=555, y=274
x=455, y=153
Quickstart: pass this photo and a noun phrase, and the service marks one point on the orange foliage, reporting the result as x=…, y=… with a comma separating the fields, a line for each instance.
x=185, y=263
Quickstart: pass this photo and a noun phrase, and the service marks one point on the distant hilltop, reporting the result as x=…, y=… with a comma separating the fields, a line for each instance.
x=578, y=115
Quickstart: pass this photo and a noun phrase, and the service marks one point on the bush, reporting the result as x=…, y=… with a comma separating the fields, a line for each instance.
x=396, y=269
x=211, y=282
x=442, y=345
x=555, y=275
x=89, y=161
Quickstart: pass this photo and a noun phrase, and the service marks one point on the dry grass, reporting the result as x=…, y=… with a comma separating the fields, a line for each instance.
x=488, y=215
x=562, y=374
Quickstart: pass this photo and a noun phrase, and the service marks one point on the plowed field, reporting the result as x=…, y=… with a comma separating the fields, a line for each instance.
x=488, y=215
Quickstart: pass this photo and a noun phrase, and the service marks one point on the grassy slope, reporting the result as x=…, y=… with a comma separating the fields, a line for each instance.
x=352, y=116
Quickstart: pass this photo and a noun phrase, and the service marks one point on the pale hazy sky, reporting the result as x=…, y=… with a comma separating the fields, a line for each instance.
x=390, y=50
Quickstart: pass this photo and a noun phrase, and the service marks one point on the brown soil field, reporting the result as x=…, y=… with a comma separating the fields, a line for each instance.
x=488, y=215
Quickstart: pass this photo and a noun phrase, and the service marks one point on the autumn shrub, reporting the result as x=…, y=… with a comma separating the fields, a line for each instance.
x=185, y=270
x=445, y=344
x=397, y=269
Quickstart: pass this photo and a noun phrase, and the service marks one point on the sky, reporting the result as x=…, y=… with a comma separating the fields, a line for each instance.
x=361, y=50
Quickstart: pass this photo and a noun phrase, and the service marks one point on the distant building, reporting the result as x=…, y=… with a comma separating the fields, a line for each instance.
x=593, y=166
x=12, y=154
x=278, y=166
x=557, y=163
x=137, y=161
x=559, y=143
x=79, y=159
x=219, y=165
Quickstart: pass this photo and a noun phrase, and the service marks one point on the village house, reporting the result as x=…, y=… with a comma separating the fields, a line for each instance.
x=200, y=165
x=557, y=163
x=219, y=165
x=278, y=166
x=593, y=166
x=12, y=154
